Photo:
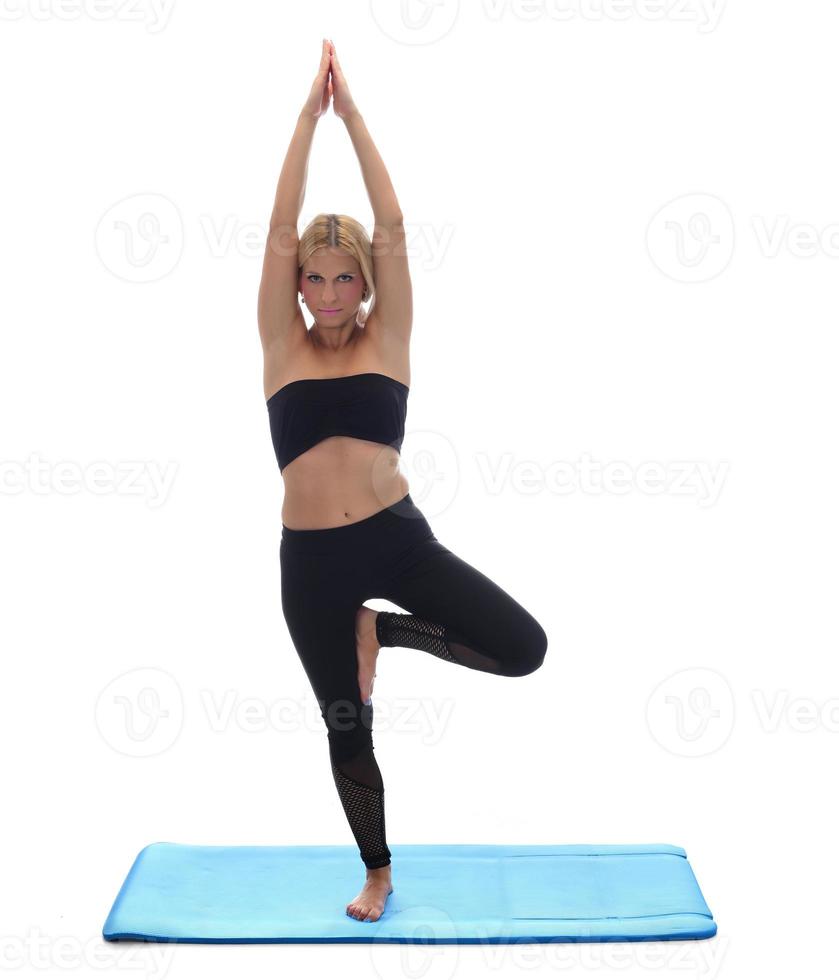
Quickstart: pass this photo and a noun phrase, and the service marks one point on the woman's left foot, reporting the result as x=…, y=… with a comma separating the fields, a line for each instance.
x=367, y=650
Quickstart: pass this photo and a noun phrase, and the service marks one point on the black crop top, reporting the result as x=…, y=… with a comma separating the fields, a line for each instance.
x=366, y=406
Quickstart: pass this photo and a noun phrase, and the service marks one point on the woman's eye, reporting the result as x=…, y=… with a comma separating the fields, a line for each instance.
x=314, y=275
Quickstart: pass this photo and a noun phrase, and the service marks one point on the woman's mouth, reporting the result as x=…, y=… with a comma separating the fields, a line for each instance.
x=338, y=310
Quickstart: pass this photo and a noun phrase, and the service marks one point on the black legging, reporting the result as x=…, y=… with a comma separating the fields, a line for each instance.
x=454, y=612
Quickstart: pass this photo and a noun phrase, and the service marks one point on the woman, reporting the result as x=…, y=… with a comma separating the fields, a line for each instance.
x=337, y=399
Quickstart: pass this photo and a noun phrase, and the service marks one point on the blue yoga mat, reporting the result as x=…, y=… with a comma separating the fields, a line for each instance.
x=442, y=893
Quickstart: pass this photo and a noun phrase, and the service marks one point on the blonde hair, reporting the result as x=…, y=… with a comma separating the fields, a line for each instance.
x=341, y=231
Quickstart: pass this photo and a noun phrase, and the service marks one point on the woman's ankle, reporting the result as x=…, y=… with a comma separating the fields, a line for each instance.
x=383, y=872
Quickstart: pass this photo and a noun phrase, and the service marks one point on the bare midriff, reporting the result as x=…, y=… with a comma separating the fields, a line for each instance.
x=341, y=480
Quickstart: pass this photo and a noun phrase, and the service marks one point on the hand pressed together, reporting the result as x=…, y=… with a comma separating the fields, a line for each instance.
x=329, y=85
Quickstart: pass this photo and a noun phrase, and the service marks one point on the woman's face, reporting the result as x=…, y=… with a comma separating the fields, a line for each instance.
x=332, y=286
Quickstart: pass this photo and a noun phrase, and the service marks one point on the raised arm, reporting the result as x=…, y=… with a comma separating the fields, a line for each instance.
x=392, y=311
x=278, y=312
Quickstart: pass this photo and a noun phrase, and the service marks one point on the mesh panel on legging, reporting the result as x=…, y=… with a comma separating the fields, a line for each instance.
x=405, y=630
x=360, y=787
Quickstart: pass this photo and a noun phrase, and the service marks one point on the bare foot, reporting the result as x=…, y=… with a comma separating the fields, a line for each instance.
x=367, y=650
x=369, y=904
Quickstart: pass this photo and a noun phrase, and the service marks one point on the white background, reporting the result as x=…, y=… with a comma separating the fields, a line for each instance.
x=561, y=319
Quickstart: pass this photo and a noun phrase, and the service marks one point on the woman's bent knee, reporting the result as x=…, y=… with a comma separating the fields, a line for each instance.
x=531, y=655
